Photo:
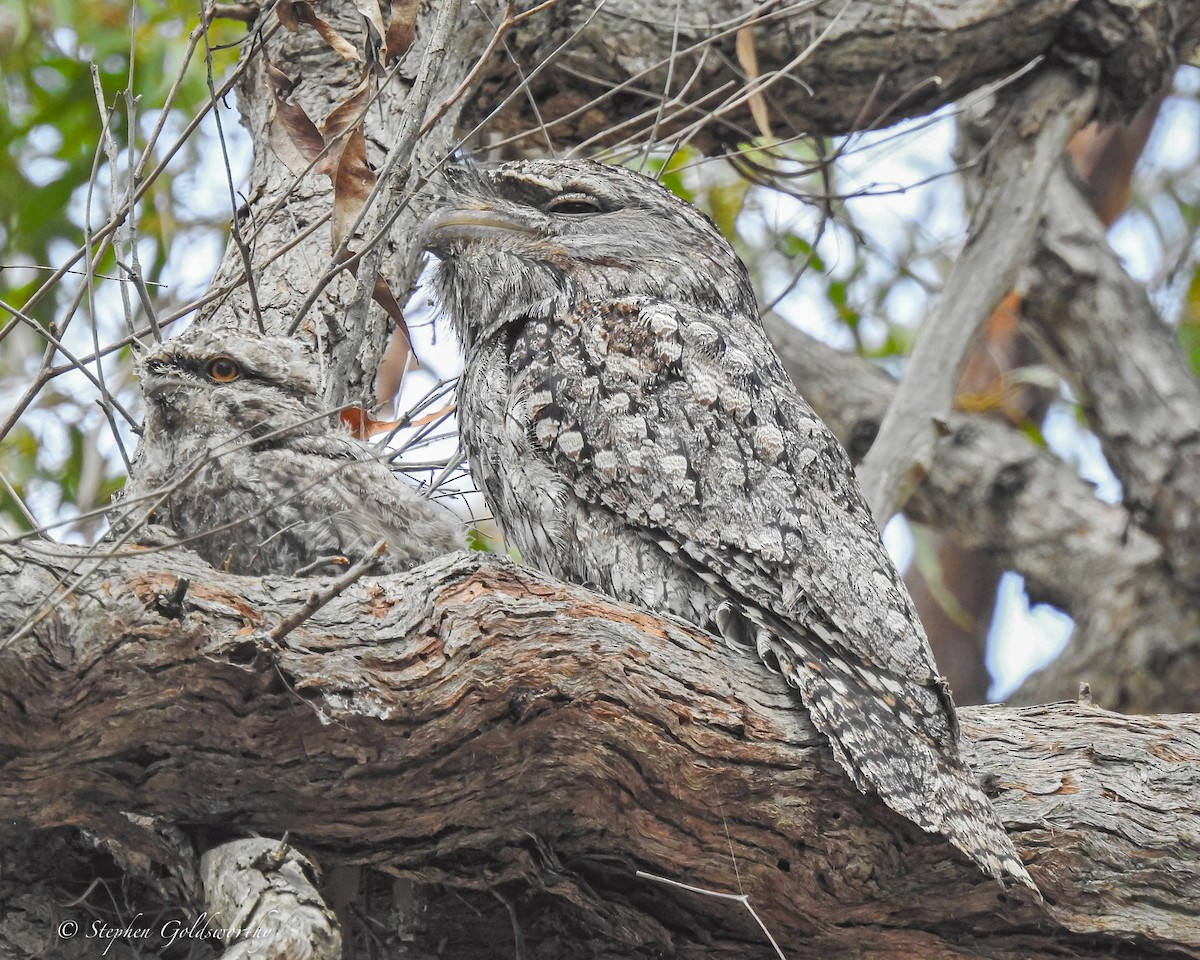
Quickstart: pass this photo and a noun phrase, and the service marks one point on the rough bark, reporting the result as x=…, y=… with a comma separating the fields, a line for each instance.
x=825, y=66
x=260, y=894
x=476, y=725
x=1097, y=325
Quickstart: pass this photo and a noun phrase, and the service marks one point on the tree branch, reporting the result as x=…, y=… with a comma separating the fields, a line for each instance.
x=849, y=393
x=476, y=724
x=995, y=490
x=878, y=61
x=1098, y=327
x=260, y=893
x=988, y=483
x=1033, y=128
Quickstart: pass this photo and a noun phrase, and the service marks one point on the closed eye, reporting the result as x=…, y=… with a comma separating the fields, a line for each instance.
x=573, y=204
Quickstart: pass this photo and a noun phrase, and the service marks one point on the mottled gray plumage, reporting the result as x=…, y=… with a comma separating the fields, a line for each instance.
x=253, y=472
x=633, y=430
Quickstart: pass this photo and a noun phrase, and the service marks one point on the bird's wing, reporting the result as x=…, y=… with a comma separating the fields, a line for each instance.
x=684, y=424
x=693, y=432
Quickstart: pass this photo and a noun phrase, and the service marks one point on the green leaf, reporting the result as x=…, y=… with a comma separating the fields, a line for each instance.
x=669, y=171
x=1189, y=323
x=478, y=540
x=797, y=248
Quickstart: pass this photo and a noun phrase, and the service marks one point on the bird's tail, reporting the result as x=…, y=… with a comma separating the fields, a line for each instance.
x=894, y=737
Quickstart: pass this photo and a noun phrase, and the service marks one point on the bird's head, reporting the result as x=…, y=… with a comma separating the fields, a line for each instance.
x=533, y=237
x=224, y=382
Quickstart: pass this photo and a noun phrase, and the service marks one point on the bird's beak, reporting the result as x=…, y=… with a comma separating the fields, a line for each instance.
x=159, y=387
x=467, y=223
x=158, y=378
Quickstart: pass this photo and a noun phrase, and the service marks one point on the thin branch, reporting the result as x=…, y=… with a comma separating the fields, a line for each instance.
x=1000, y=236
x=318, y=598
x=235, y=226
x=741, y=898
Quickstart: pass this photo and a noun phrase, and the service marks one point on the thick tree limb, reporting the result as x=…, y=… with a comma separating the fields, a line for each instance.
x=978, y=469
x=478, y=725
x=851, y=394
x=483, y=728
x=397, y=185
x=953, y=587
x=1134, y=624
x=1097, y=325
x=877, y=61
x=1033, y=127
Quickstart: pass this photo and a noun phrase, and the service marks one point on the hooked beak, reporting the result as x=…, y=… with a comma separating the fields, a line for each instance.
x=158, y=388
x=158, y=377
x=470, y=222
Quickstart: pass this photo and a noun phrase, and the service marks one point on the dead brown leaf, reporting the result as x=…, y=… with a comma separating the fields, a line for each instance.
x=436, y=415
x=353, y=180
x=345, y=160
x=285, y=10
x=291, y=134
x=401, y=29
x=294, y=12
x=371, y=13
x=392, y=368
x=281, y=82
x=747, y=55
x=362, y=425
x=348, y=113
x=382, y=295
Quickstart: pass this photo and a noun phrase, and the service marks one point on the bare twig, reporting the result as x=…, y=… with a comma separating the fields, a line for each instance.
x=741, y=898
x=318, y=598
x=235, y=226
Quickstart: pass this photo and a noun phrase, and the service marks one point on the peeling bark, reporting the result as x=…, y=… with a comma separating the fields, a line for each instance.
x=477, y=725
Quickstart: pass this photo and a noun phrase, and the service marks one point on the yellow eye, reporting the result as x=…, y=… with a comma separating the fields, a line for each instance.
x=222, y=370
x=575, y=203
